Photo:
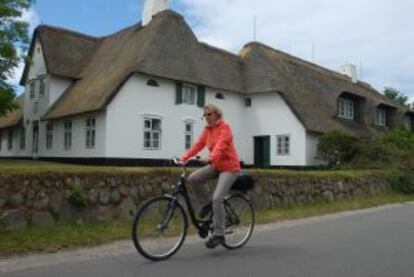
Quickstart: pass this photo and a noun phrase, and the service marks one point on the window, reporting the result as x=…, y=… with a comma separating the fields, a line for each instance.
x=189, y=93
x=220, y=96
x=35, y=107
x=32, y=89
x=68, y=135
x=10, y=141
x=247, y=102
x=90, y=132
x=22, y=138
x=41, y=87
x=283, y=145
x=152, y=83
x=380, y=118
x=49, y=136
x=346, y=108
x=188, y=134
x=152, y=134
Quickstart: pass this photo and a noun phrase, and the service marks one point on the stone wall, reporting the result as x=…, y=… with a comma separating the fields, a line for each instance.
x=44, y=198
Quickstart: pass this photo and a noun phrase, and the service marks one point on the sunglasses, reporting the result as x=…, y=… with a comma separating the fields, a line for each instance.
x=207, y=114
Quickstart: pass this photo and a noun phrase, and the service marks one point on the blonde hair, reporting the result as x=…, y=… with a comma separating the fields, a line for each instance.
x=214, y=109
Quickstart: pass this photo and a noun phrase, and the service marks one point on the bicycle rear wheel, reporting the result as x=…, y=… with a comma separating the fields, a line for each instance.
x=159, y=228
x=239, y=220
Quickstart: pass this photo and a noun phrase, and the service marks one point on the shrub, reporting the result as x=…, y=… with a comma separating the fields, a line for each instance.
x=401, y=180
x=337, y=148
x=77, y=196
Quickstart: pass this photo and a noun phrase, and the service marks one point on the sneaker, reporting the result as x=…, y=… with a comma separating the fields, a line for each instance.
x=205, y=210
x=213, y=241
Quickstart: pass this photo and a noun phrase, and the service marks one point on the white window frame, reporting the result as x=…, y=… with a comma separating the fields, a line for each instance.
x=346, y=108
x=32, y=89
x=283, y=143
x=22, y=138
x=42, y=86
x=381, y=117
x=152, y=133
x=188, y=134
x=67, y=127
x=189, y=94
x=90, y=132
x=10, y=136
x=49, y=136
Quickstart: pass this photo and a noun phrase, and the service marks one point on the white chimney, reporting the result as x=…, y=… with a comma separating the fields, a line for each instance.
x=350, y=71
x=151, y=8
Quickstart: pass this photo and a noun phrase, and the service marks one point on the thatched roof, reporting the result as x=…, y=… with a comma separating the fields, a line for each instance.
x=310, y=90
x=65, y=52
x=165, y=48
x=13, y=118
x=168, y=48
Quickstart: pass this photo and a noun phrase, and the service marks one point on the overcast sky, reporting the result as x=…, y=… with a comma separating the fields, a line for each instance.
x=375, y=35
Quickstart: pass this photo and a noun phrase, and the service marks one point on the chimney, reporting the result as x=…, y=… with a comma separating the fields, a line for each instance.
x=350, y=71
x=151, y=8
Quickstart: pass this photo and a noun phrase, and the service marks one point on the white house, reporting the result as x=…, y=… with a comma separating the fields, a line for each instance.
x=137, y=96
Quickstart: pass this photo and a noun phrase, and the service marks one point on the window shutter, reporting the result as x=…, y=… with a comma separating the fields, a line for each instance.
x=201, y=96
x=178, y=93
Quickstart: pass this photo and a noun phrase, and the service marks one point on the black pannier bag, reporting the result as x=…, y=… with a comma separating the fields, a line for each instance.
x=244, y=182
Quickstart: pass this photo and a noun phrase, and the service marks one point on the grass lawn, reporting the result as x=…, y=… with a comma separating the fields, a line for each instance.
x=84, y=234
x=30, y=166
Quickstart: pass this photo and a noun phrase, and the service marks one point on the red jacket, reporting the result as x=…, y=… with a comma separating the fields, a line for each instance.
x=219, y=140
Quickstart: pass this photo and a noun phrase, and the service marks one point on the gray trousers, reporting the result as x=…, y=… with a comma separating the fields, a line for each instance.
x=225, y=180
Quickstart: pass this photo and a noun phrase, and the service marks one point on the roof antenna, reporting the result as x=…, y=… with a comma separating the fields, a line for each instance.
x=254, y=28
x=313, y=51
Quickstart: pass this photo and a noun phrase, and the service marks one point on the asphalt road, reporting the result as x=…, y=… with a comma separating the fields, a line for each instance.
x=376, y=242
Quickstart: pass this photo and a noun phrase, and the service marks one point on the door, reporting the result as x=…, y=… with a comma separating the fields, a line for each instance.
x=262, y=151
x=35, y=137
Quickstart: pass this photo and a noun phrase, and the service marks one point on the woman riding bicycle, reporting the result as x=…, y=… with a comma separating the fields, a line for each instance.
x=222, y=161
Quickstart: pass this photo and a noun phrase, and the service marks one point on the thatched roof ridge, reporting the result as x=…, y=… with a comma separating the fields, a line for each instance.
x=14, y=117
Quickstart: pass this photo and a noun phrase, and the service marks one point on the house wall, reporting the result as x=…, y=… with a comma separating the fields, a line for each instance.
x=126, y=112
x=54, y=88
x=135, y=100
x=16, y=151
x=269, y=115
x=79, y=149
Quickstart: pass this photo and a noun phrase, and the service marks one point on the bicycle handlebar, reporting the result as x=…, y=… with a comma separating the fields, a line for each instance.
x=177, y=161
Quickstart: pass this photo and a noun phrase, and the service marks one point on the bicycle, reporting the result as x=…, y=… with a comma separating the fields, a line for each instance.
x=161, y=223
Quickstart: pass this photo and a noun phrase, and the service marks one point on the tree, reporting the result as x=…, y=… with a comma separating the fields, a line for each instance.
x=13, y=36
x=396, y=95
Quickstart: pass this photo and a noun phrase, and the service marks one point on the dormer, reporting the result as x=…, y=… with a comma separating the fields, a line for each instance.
x=384, y=116
x=350, y=107
x=409, y=120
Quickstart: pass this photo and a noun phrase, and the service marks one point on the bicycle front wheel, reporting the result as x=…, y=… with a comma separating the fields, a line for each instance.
x=159, y=228
x=239, y=220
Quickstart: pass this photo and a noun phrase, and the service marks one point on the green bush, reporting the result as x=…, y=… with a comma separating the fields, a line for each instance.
x=401, y=137
x=401, y=180
x=337, y=148
x=77, y=196
x=374, y=154
x=393, y=151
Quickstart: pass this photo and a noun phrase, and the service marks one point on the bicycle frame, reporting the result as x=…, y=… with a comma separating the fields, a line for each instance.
x=180, y=189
